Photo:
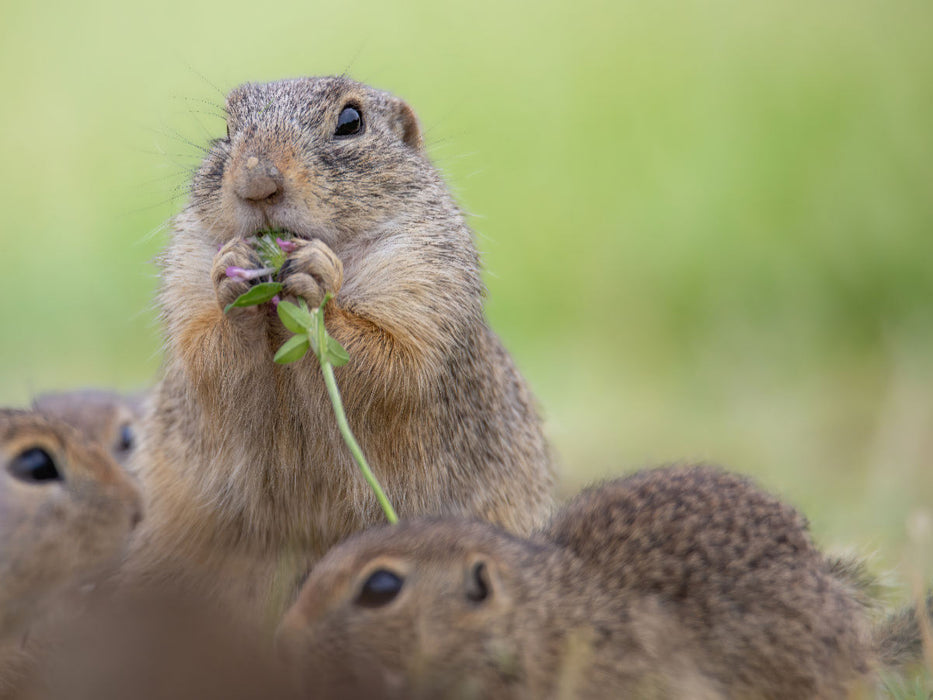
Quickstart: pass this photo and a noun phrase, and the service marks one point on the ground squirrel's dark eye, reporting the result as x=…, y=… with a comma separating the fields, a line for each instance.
x=34, y=464
x=125, y=443
x=380, y=589
x=349, y=123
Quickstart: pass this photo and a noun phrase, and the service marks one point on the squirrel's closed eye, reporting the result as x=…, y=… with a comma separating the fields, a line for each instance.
x=349, y=123
x=380, y=589
x=34, y=464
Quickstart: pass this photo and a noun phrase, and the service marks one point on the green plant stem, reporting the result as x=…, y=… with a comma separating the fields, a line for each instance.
x=348, y=438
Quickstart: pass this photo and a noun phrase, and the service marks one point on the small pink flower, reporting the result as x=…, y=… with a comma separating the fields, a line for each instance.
x=286, y=246
x=240, y=273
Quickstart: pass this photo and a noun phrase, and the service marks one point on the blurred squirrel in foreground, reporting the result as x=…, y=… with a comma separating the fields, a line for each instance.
x=66, y=512
x=684, y=582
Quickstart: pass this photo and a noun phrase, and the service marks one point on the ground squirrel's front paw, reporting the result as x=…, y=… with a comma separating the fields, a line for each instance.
x=311, y=271
x=235, y=253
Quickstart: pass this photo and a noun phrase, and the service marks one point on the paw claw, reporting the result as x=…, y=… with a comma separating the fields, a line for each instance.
x=229, y=271
x=311, y=271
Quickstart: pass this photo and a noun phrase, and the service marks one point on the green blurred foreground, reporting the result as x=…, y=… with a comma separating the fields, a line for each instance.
x=707, y=225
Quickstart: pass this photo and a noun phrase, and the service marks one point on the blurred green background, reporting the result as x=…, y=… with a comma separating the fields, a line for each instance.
x=706, y=225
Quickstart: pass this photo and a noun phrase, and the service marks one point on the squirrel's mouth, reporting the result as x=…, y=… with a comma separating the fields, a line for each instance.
x=307, y=233
x=274, y=232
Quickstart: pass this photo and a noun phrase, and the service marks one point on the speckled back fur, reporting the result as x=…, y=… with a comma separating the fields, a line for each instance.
x=735, y=565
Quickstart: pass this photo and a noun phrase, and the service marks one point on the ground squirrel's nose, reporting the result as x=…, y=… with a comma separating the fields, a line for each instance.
x=257, y=179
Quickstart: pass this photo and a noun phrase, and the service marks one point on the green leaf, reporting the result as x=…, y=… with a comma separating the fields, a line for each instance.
x=292, y=349
x=295, y=319
x=257, y=294
x=336, y=354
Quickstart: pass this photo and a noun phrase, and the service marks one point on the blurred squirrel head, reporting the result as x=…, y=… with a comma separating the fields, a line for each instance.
x=66, y=511
x=110, y=419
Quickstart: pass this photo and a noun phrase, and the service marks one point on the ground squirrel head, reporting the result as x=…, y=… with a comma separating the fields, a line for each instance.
x=318, y=157
x=414, y=602
x=66, y=509
x=110, y=419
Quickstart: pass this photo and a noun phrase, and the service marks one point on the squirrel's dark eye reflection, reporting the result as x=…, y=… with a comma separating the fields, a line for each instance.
x=349, y=122
x=380, y=589
x=34, y=464
x=125, y=443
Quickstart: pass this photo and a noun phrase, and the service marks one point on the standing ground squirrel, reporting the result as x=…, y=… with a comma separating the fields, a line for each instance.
x=109, y=418
x=66, y=510
x=248, y=477
x=684, y=582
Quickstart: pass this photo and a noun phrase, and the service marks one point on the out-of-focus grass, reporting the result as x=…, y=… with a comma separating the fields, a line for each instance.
x=919, y=687
x=707, y=225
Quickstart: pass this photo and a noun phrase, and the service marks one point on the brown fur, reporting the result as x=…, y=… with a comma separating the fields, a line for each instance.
x=899, y=639
x=899, y=635
x=159, y=645
x=673, y=583
x=106, y=417
x=57, y=532
x=738, y=567
x=249, y=478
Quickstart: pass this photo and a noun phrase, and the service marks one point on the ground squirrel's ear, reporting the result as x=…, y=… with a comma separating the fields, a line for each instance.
x=481, y=581
x=406, y=125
